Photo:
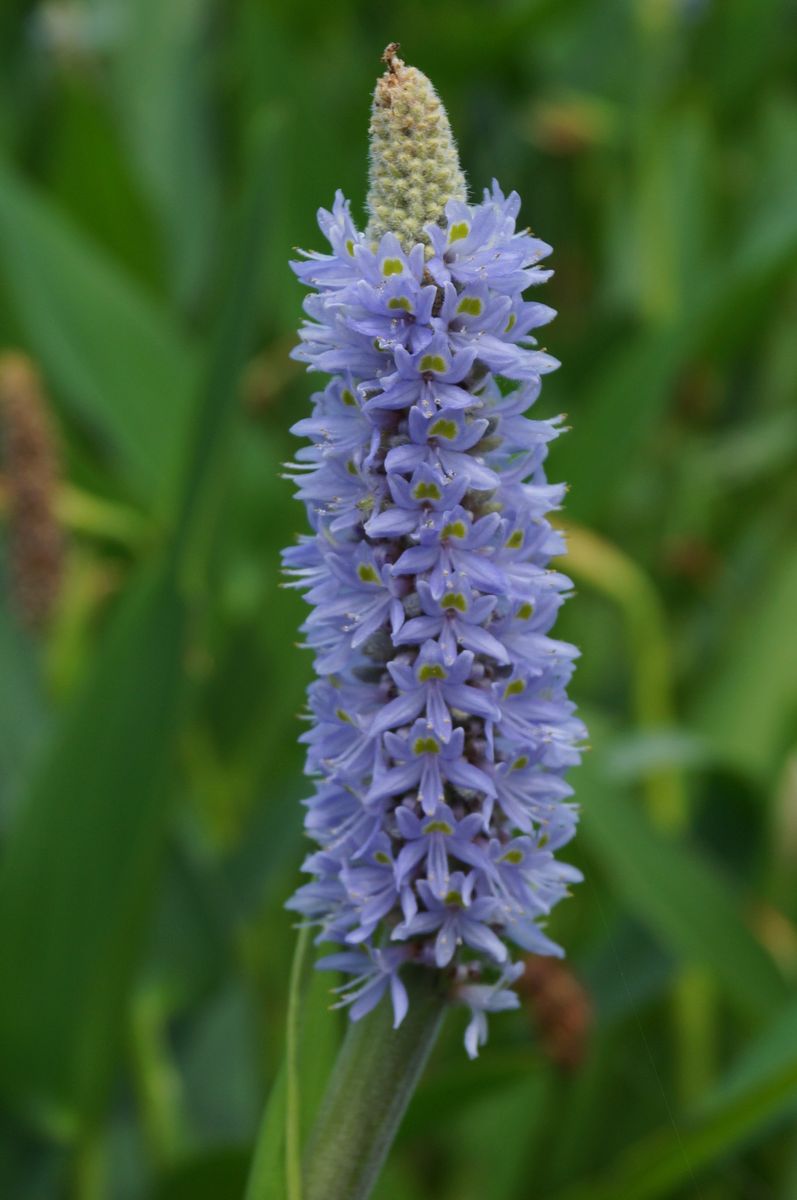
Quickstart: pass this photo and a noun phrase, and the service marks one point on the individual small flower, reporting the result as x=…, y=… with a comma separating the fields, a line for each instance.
x=374, y=974
x=440, y=728
x=458, y=917
x=432, y=685
x=426, y=763
x=484, y=998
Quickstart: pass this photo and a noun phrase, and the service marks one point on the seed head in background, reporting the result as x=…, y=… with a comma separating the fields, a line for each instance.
x=440, y=729
x=31, y=470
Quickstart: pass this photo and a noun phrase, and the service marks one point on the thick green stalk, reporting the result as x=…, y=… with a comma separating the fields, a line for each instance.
x=374, y=1077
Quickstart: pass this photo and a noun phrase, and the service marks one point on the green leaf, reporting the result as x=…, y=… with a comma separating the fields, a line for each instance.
x=166, y=127
x=759, y=1062
x=204, y=469
x=24, y=713
x=748, y=708
x=79, y=867
x=659, y=1164
x=267, y=1172
x=613, y=424
x=207, y=1176
x=320, y=1034
x=312, y=1041
x=109, y=351
x=669, y=887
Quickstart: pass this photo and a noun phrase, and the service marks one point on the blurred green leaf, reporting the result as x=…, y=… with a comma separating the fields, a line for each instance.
x=222, y=1084
x=313, y=1038
x=267, y=1169
x=661, y=1163
x=23, y=711
x=206, y=465
x=759, y=1062
x=679, y=896
x=161, y=76
x=625, y=397
x=209, y=1176
x=499, y=1131
x=76, y=881
x=108, y=350
x=748, y=707
x=319, y=1035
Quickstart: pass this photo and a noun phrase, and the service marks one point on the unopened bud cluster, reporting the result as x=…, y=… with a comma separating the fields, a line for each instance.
x=415, y=167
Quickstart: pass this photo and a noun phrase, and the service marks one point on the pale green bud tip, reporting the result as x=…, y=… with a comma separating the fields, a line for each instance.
x=415, y=167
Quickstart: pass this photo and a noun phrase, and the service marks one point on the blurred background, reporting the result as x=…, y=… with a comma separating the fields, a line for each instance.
x=159, y=161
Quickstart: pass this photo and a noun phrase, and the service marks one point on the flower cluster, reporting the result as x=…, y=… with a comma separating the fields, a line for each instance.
x=440, y=728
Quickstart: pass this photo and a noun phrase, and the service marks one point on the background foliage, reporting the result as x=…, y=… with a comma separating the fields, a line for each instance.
x=158, y=161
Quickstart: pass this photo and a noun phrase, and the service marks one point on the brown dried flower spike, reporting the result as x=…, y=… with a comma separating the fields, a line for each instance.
x=35, y=540
x=560, y=1008
x=414, y=169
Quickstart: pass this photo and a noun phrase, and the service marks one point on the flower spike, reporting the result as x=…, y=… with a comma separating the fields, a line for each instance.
x=441, y=729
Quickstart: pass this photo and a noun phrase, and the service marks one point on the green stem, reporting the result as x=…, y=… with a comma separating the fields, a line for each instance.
x=90, y=1166
x=293, y=1149
x=84, y=513
x=374, y=1077
x=156, y=1080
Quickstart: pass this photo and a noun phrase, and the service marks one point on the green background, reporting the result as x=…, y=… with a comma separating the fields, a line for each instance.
x=159, y=161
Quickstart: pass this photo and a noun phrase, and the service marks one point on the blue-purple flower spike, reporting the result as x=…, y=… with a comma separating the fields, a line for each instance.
x=440, y=726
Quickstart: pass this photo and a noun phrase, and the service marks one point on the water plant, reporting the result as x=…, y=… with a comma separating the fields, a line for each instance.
x=440, y=728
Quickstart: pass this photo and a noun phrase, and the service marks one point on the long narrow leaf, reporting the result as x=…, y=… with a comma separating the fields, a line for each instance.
x=110, y=352
x=78, y=869
x=677, y=895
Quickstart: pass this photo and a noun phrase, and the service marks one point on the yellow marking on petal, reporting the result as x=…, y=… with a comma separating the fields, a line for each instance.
x=400, y=302
x=471, y=305
x=342, y=715
x=348, y=398
x=434, y=362
x=350, y=246
x=431, y=671
x=455, y=529
x=510, y=325
x=383, y=858
x=367, y=573
x=525, y=611
x=520, y=762
x=444, y=428
x=392, y=266
x=458, y=231
x=437, y=827
x=454, y=600
x=426, y=745
x=515, y=540
x=512, y=856
x=514, y=688
x=426, y=491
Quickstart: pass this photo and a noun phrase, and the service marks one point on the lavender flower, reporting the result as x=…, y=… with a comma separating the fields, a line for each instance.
x=440, y=726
